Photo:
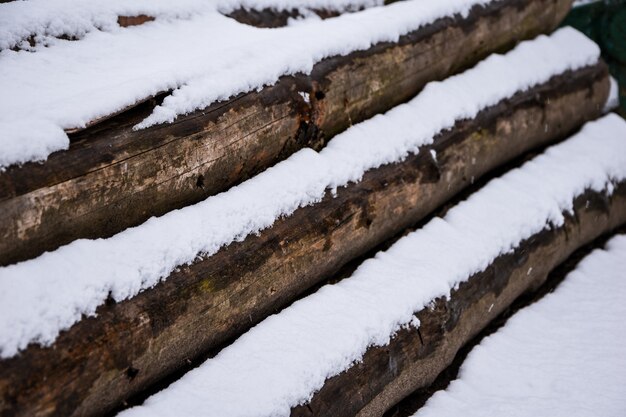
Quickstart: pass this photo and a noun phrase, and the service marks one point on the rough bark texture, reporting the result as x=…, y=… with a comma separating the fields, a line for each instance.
x=103, y=360
x=415, y=357
x=113, y=177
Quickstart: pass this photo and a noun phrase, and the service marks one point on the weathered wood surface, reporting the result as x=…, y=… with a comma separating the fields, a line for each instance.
x=103, y=360
x=415, y=357
x=113, y=177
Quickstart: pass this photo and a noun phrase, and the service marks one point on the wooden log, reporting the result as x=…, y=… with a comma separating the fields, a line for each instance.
x=103, y=360
x=113, y=177
x=415, y=357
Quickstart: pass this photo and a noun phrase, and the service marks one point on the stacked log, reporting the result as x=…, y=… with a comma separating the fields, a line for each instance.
x=114, y=177
x=419, y=355
x=341, y=317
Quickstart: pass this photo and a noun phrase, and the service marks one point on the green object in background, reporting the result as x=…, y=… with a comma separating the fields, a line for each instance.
x=605, y=23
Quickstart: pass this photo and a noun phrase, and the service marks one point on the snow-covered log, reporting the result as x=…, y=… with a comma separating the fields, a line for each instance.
x=185, y=310
x=415, y=357
x=564, y=353
x=113, y=177
x=358, y=346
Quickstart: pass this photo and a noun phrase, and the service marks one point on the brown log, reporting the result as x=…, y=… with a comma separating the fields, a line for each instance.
x=103, y=360
x=415, y=357
x=409, y=405
x=113, y=177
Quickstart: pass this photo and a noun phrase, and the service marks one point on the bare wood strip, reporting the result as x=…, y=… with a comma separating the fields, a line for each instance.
x=415, y=357
x=103, y=360
x=113, y=177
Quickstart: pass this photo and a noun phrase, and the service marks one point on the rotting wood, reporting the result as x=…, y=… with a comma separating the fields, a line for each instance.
x=415, y=357
x=113, y=177
x=102, y=360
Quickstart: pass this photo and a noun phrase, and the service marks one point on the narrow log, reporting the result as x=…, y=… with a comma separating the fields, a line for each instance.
x=415, y=357
x=113, y=177
x=103, y=360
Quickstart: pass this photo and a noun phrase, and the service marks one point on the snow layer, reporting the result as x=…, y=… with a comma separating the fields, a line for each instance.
x=612, y=101
x=48, y=19
x=41, y=297
x=578, y=3
x=563, y=356
x=203, y=58
x=281, y=362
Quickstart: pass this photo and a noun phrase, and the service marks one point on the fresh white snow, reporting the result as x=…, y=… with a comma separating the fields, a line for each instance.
x=46, y=20
x=578, y=3
x=194, y=50
x=612, y=102
x=41, y=297
x=563, y=356
x=284, y=360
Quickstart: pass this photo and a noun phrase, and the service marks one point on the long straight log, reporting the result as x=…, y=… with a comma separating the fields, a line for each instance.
x=114, y=177
x=410, y=405
x=128, y=346
x=415, y=357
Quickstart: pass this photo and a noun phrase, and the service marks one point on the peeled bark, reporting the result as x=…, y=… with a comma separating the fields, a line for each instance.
x=127, y=347
x=113, y=177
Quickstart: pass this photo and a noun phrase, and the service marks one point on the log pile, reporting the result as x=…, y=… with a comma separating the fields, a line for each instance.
x=114, y=177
